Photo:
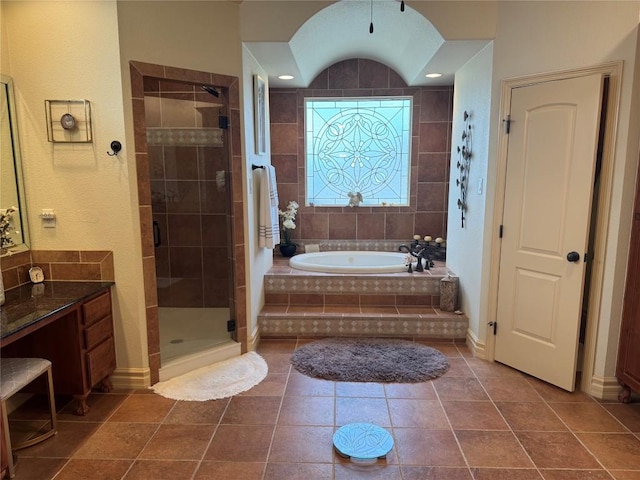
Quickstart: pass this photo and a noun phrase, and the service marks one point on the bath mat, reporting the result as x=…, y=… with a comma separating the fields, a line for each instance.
x=369, y=360
x=219, y=380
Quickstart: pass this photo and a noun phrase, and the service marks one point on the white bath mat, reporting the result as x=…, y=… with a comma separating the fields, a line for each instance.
x=219, y=380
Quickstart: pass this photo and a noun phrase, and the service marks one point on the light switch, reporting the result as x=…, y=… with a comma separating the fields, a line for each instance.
x=48, y=218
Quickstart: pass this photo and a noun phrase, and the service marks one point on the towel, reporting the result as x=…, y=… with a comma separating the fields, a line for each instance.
x=269, y=223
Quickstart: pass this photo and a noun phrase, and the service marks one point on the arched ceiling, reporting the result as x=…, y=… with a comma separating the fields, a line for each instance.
x=405, y=41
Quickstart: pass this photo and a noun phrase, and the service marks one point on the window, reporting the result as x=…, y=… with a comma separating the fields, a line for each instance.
x=358, y=145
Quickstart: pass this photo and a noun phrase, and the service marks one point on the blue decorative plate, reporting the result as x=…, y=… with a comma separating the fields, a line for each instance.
x=362, y=441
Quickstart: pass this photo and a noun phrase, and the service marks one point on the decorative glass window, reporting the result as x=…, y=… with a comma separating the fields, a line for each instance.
x=358, y=150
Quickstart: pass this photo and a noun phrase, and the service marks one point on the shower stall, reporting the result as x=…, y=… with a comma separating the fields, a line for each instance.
x=189, y=178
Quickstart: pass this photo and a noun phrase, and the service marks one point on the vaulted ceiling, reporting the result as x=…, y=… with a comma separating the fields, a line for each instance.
x=405, y=41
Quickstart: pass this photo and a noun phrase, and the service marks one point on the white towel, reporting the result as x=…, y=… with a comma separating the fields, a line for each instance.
x=269, y=221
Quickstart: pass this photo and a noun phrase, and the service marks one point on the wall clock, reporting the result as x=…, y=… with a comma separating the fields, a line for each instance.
x=68, y=121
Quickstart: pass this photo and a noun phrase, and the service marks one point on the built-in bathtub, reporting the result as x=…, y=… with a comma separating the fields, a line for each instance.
x=351, y=262
x=304, y=303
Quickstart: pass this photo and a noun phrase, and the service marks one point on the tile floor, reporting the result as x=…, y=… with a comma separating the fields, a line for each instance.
x=479, y=421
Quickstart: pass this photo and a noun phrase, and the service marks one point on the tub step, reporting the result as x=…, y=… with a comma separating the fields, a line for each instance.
x=289, y=321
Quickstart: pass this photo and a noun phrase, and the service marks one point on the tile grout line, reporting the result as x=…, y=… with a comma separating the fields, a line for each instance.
x=513, y=433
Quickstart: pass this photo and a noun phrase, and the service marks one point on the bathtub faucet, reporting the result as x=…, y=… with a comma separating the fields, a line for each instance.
x=419, y=252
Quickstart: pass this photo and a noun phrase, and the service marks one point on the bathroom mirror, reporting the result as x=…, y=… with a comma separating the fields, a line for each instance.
x=11, y=180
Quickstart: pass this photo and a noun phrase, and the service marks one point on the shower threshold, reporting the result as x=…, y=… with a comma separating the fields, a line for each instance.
x=193, y=337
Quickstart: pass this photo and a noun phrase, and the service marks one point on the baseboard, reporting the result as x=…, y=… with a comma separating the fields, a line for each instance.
x=478, y=348
x=131, y=378
x=604, y=388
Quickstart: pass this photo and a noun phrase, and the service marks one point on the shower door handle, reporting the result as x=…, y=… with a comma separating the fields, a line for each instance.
x=157, y=241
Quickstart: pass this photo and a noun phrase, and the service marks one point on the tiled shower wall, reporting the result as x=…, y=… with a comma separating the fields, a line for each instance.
x=188, y=176
x=430, y=153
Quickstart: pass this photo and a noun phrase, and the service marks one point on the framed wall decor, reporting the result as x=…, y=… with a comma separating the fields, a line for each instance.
x=68, y=121
x=260, y=114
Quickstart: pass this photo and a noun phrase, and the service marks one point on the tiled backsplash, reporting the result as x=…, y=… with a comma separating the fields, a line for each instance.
x=430, y=156
x=58, y=265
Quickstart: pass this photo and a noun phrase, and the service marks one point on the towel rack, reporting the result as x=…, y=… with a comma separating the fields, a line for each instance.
x=255, y=167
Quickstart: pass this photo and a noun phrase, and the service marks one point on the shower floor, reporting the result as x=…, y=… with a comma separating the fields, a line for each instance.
x=185, y=331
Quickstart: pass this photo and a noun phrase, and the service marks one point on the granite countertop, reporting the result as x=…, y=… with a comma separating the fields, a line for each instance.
x=32, y=303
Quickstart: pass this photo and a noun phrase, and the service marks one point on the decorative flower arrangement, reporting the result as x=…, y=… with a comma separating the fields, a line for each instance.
x=288, y=221
x=5, y=228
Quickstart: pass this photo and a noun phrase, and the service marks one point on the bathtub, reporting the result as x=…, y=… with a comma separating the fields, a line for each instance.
x=350, y=262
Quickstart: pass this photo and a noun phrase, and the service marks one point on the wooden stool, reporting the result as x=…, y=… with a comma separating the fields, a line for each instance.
x=17, y=373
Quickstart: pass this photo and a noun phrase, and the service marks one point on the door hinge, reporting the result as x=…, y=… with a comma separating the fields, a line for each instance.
x=500, y=232
x=495, y=326
x=223, y=122
x=507, y=124
x=231, y=325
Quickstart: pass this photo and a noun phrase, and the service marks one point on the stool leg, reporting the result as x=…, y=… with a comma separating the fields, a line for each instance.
x=7, y=440
x=52, y=401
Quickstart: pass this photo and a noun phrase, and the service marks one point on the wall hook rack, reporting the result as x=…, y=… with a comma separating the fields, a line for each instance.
x=116, y=146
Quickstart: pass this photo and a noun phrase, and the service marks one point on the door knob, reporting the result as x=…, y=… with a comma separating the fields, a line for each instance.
x=573, y=256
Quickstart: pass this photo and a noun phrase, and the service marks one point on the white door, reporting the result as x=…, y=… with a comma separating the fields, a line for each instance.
x=549, y=181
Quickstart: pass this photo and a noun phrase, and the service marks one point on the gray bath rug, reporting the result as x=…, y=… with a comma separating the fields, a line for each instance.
x=369, y=360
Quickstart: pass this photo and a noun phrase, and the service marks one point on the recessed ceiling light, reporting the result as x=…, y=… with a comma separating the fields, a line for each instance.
x=285, y=77
x=433, y=75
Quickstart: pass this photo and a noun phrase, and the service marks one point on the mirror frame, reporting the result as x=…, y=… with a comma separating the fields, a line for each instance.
x=7, y=82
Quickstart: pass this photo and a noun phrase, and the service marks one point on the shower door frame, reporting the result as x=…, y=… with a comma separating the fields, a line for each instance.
x=231, y=91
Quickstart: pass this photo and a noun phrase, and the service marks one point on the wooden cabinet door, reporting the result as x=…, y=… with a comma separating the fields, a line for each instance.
x=628, y=366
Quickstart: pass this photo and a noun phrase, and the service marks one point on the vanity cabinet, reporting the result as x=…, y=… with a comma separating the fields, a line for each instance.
x=78, y=339
x=628, y=366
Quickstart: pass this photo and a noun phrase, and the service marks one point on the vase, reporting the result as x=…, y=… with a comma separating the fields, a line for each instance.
x=287, y=249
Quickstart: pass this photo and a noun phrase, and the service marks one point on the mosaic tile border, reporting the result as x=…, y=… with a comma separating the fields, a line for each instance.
x=454, y=327
x=346, y=284
x=184, y=137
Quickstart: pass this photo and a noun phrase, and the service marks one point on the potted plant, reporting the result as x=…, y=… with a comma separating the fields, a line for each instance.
x=288, y=216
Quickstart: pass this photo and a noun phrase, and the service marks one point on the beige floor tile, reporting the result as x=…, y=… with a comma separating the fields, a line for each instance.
x=143, y=408
x=587, y=417
x=193, y=413
x=273, y=385
x=307, y=411
x=510, y=389
x=506, y=474
x=532, y=416
x=417, y=413
x=117, y=440
x=38, y=468
x=230, y=471
x=423, y=390
x=556, y=450
x=302, y=385
x=302, y=444
x=156, y=469
x=614, y=450
x=378, y=471
x=240, y=443
x=252, y=411
x=453, y=388
x=628, y=414
x=295, y=471
x=94, y=469
x=359, y=389
x=418, y=446
x=481, y=415
x=357, y=409
x=575, y=475
x=178, y=442
x=492, y=449
x=435, y=473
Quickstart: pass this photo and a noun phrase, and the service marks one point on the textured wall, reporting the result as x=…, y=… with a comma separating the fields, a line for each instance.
x=430, y=152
